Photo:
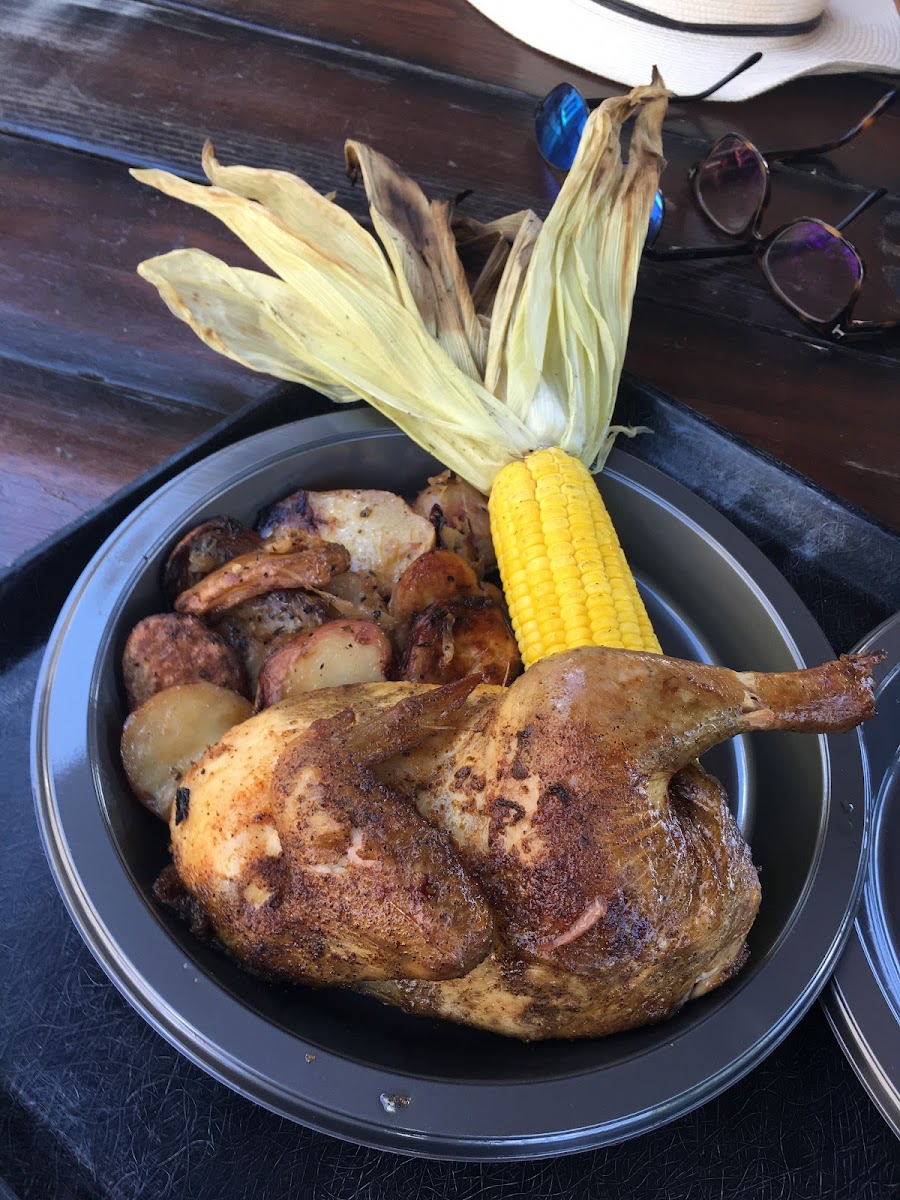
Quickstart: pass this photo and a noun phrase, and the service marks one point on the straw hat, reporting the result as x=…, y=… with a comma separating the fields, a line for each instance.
x=695, y=42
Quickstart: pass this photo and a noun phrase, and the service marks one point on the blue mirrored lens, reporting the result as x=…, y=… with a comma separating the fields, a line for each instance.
x=656, y=220
x=558, y=123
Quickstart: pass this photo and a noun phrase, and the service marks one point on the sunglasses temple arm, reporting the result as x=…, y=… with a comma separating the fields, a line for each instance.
x=871, y=199
x=808, y=151
x=864, y=328
x=738, y=70
x=676, y=253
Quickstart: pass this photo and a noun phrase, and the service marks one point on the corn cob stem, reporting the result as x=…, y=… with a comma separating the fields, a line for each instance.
x=565, y=577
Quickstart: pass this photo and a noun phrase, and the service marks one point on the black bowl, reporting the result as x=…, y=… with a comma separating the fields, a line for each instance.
x=343, y=1063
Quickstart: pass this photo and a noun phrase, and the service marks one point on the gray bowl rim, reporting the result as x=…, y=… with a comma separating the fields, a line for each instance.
x=339, y=1096
x=862, y=1001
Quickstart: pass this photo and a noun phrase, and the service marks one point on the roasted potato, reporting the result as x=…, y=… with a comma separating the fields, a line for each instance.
x=290, y=512
x=459, y=514
x=163, y=738
x=259, y=626
x=379, y=529
x=171, y=648
x=336, y=653
x=204, y=549
x=452, y=639
x=282, y=562
x=356, y=595
x=436, y=575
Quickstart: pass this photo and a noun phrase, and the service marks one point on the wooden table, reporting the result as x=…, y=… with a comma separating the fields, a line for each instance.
x=99, y=383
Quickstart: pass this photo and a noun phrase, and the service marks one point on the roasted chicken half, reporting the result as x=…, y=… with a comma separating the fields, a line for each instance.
x=543, y=860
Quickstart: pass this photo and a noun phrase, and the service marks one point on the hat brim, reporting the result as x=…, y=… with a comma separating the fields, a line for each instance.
x=854, y=35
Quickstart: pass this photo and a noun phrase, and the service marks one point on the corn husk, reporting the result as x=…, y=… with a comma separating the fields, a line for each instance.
x=528, y=356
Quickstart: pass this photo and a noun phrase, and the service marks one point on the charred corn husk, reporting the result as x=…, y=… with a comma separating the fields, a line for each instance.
x=508, y=377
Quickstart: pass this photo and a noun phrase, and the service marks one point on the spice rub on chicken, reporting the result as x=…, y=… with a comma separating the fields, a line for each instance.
x=543, y=860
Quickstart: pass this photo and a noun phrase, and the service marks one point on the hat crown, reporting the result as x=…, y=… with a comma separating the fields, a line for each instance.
x=728, y=13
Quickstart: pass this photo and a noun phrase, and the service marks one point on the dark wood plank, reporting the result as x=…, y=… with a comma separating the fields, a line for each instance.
x=314, y=96
x=66, y=444
x=148, y=84
x=176, y=75
x=86, y=90
x=827, y=412
x=73, y=229
x=452, y=37
x=440, y=35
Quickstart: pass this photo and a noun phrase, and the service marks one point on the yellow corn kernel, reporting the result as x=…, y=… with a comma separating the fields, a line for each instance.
x=564, y=574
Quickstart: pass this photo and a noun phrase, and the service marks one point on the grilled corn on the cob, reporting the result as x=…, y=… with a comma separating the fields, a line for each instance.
x=564, y=574
x=510, y=382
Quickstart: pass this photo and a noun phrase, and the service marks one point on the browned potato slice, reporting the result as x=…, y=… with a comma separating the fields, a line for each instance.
x=168, y=649
x=334, y=654
x=275, y=565
x=171, y=731
x=290, y=512
x=437, y=575
x=459, y=513
x=453, y=639
x=259, y=626
x=204, y=549
x=379, y=529
x=496, y=597
x=356, y=595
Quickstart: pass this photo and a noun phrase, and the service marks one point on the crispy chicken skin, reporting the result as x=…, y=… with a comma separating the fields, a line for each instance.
x=544, y=860
x=311, y=868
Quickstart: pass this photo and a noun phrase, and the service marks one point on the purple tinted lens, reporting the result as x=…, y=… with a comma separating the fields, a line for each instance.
x=813, y=269
x=730, y=184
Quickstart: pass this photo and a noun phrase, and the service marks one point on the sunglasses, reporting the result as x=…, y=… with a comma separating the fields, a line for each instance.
x=809, y=265
x=560, y=118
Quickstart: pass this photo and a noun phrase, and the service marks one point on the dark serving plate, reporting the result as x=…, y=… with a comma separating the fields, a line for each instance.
x=342, y=1063
x=863, y=1001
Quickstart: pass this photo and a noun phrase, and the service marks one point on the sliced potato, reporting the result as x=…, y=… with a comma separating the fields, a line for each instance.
x=453, y=639
x=290, y=512
x=334, y=654
x=459, y=513
x=379, y=529
x=171, y=731
x=496, y=597
x=436, y=575
x=356, y=595
x=171, y=648
x=204, y=549
x=277, y=564
x=259, y=626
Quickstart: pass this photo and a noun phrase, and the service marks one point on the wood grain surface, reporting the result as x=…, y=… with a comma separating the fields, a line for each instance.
x=100, y=383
